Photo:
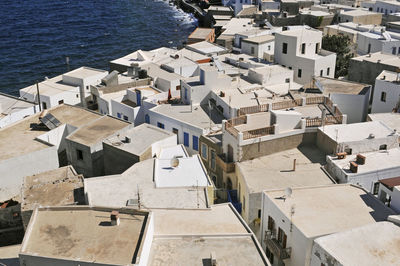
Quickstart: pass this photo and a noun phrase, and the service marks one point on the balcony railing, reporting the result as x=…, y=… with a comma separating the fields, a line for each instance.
x=275, y=247
x=227, y=167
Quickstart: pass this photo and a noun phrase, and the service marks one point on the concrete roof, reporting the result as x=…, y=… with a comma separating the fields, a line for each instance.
x=197, y=116
x=155, y=71
x=189, y=237
x=375, y=161
x=97, y=130
x=373, y=244
x=389, y=76
x=358, y=12
x=116, y=190
x=141, y=56
x=275, y=171
x=19, y=138
x=236, y=25
x=329, y=209
x=9, y=255
x=189, y=173
x=386, y=59
x=57, y=187
x=340, y=86
x=356, y=132
x=392, y=120
x=141, y=138
x=303, y=32
x=10, y=104
x=201, y=33
x=206, y=47
x=84, y=234
x=51, y=87
x=84, y=72
x=174, y=151
x=260, y=39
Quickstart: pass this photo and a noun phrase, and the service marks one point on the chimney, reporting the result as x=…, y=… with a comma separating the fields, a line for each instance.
x=360, y=159
x=353, y=167
x=114, y=218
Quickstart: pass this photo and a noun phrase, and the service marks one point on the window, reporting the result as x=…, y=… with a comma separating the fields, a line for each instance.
x=394, y=50
x=398, y=51
x=244, y=203
x=79, y=154
x=383, y=147
x=284, y=48
x=348, y=150
x=377, y=9
x=270, y=255
x=290, y=68
x=147, y=119
x=259, y=213
x=282, y=238
x=119, y=115
x=269, y=47
x=175, y=131
x=160, y=125
x=376, y=188
x=303, y=48
x=321, y=73
x=60, y=101
x=212, y=159
x=44, y=105
x=287, y=80
x=271, y=223
x=195, y=143
x=185, y=96
x=204, y=151
x=125, y=118
x=327, y=71
x=186, y=139
x=299, y=73
x=252, y=50
x=316, y=48
x=383, y=96
x=77, y=96
x=87, y=87
x=369, y=48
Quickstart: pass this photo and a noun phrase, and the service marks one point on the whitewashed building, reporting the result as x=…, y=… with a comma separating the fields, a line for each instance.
x=301, y=51
x=257, y=46
x=13, y=109
x=386, y=96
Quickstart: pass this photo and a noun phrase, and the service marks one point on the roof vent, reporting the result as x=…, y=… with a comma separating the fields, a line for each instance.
x=114, y=218
x=353, y=167
x=127, y=140
x=371, y=136
x=360, y=159
x=133, y=203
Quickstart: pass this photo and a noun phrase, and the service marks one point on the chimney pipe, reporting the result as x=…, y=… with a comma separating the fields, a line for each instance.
x=114, y=218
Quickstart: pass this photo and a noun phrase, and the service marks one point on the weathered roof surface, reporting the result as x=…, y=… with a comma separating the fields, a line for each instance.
x=260, y=39
x=373, y=244
x=275, y=171
x=392, y=120
x=57, y=187
x=85, y=72
x=329, y=209
x=19, y=138
x=141, y=138
x=10, y=104
x=84, y=234
x=97, y=130
x=201, y=33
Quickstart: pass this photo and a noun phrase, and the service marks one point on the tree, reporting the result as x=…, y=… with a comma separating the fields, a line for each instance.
x=340, y=45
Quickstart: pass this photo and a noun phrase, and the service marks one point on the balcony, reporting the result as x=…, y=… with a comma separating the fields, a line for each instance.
x=227, y=167
x=275, y=247
x=232, y=198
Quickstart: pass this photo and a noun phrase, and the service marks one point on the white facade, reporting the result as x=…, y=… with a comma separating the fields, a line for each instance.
x=270, y=75
x=257, y=49
x=371, y=43
x=386, y=7
x=13, y=109
x=300, y=50
x=237, y=5
x=393, y=194
x=386, y=93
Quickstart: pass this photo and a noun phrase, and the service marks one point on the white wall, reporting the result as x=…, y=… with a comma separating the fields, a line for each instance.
x=270, y=77
x=157, y=146
x=354, y=106
x=392, y=91
x=13, y=170
x=18, y=115
x=259, y=49
x=377, y=45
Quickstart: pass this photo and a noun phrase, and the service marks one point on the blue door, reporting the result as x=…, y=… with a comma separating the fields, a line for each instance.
x=195, y=143
x=186, y=139
x=138, y=98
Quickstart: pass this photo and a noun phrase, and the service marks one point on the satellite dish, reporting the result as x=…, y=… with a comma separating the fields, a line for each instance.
x=288, y=192
x=174, y=162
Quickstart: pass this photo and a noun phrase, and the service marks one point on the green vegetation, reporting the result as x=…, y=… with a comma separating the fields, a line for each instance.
x=340, y=45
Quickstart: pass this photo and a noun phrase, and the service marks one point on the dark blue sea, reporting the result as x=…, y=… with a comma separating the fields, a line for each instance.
x=37, y=35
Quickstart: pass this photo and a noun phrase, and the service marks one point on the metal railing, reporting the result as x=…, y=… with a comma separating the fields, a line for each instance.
x=258, y=132
x=275, y=247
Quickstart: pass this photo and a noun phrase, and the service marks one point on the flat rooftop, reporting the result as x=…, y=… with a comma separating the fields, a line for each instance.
x=200, y=232
x=51, y=87
x=375, y=161
x=10, y=104
x=206, y=47
x=9, y=255
x=116, y=190
x=141, y=138
x=356, y=132
x=392, y=120
x=84, y=234
x=389, y=76
x=85, y=72
x=167, y=176
x=329, y=209
x=303, y=32
x=174, y=151
x=197, y=116
x=385, y=59
x=374, y=244
x=200, y=33
x=358, y=12
x=275, y=171
x=97, y=130
x=340, y=86
x=260, y=39
x=19, y=138
x=58, y=187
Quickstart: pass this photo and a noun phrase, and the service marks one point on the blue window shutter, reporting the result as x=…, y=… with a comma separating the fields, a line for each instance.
x=186, y=139
x=195, y=143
